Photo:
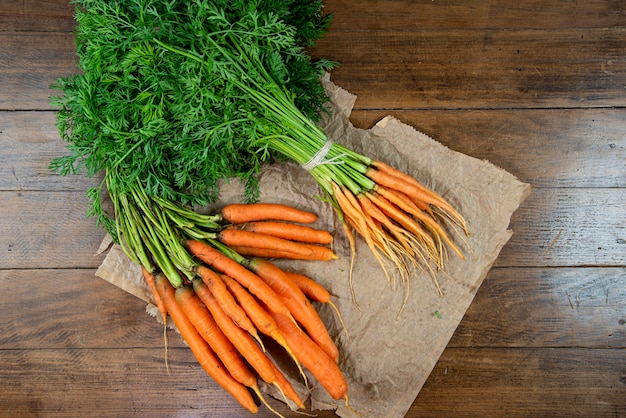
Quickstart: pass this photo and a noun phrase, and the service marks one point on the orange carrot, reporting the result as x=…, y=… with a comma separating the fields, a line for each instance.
x=287, y=388
x=299, y=306
x=259, y=315
x=311, y=289
x=241, y=213
x=323, y=368
x=200, y=348
x=410, y=189
x=245, y=277
x=315, y=291
x=201, y=318
x=149, y=278
x=289, y=231
x=235, y=237
x=425, y=218
x=387, y=169
x=212, y=282
x=323, y=255
x=240, y=339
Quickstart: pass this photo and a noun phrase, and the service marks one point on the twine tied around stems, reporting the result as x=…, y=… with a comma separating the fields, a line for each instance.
x=319, y=158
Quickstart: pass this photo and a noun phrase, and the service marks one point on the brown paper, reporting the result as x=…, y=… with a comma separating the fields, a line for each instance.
x=386, y=357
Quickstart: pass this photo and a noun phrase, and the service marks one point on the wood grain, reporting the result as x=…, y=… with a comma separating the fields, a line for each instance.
x=373, y=15
x=525, y=382
x=540, y=307
x=458, y=69
x=47, y=230
x=29, y=63
x=534, y=87
x=30, y=141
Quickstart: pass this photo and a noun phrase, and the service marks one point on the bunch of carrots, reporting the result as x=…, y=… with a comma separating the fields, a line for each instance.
x=229, y=301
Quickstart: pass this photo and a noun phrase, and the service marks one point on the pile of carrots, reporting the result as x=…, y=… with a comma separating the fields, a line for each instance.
x=233, y=302
x=400, y=219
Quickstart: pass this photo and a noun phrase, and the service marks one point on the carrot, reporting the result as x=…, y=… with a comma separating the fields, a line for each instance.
x=426, y=219
x=201, y=318
x=245, y=277
x=323, y=255
x=235, y=237
x=311, y=289
x=289, y=231
x=287, y=388
x=314, y=291
x=259, y=316
x=200, y=348
x=321, y=366
x=149, y=278
x=388, y=169
x=354, y=215
x=241, y=213
x=212, y=282
x=300, y=307
x=240, y=339
x=415, y=192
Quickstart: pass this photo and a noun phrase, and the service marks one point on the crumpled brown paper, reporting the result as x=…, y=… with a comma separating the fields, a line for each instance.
x=386, y=357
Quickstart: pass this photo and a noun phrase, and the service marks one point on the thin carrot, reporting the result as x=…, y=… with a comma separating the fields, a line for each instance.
x=289, y=231
x=149, y=278
x=311, y=289
x=322, y=254
x=201, y=318
x=241, y=213
x=264, y=322
x=240, y=339
x=410, y=189
x=200, y=348
x=235, y=237
x=300, y=307
x=321, y=366
x=388, y=169
x=315, y=291
x=396, y=198
x=212, y=282
x=353, y=214
x=245, y=277
x=287, y=388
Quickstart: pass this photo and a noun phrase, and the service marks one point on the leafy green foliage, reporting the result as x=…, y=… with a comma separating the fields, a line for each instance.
x=179, y=122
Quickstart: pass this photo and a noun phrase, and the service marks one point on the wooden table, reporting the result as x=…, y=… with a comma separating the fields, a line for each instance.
x=537, y=88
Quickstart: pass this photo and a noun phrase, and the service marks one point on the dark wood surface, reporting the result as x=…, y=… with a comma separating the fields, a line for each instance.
x=537, y=88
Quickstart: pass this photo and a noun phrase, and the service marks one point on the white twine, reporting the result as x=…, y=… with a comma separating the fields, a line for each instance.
x=319, y=158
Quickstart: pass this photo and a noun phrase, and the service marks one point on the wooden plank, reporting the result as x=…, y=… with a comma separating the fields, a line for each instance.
x=411, y=70
x=373, y=15
x=568, y=227
x=61, y=309
x=36, y=15
x=33, y=15
x=562, y=307
x=112, y=382
x=30, y=141
x=47, y=230
x=590, y=143
x=459, y=69
x=525, y=382
x=29, y=63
